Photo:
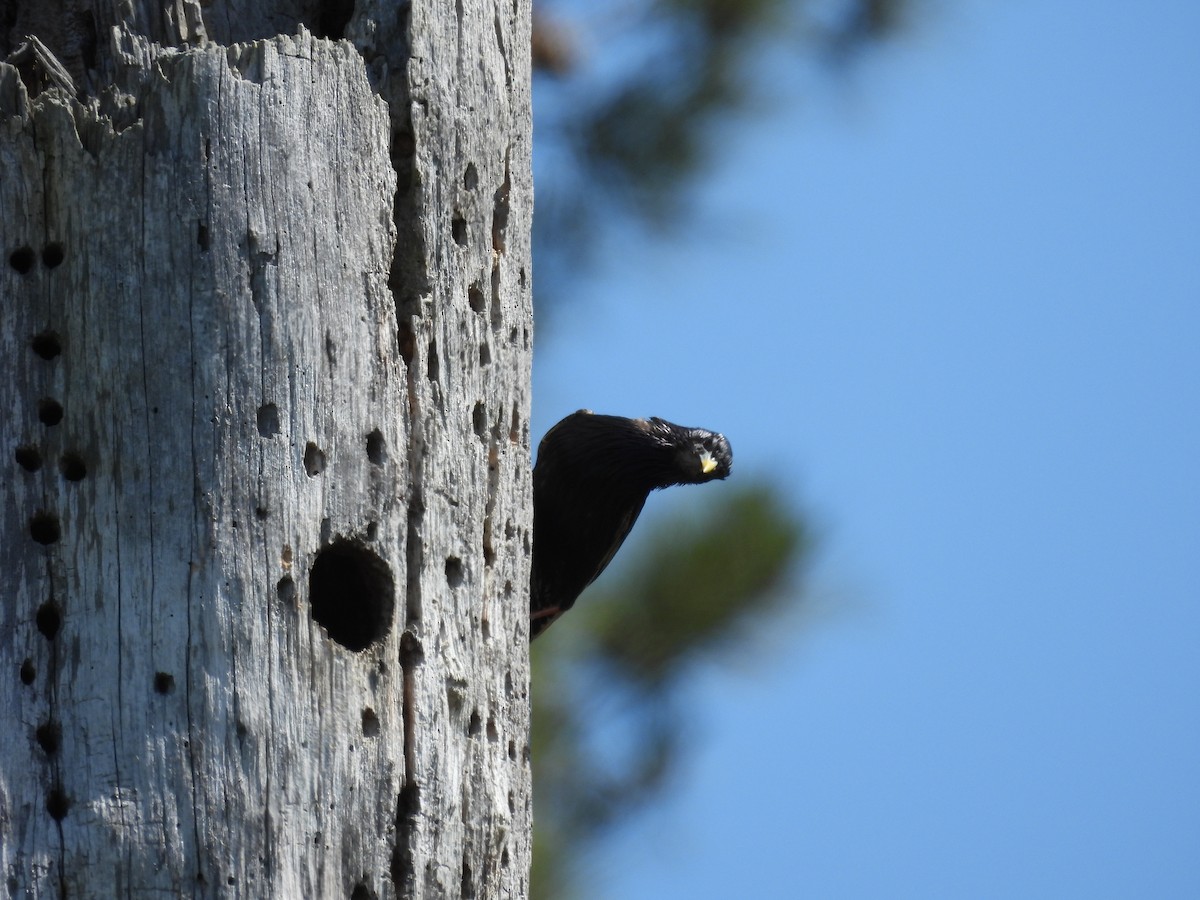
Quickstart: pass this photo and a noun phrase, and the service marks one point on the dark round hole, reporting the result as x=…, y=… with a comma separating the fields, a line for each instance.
x=50, y=412
x=454, y=571
x=28, y=672
x=164, y=683
x=53, y=255
x=370, y=723
x=286, y=589
x=44, y=529
x=49, y=737
x=352, y=594
x=72, y=467
x=314, y=460
x=22, y=259
x=49, y=620
x=376, y=449
x=46, y=345
x=476, y=299
x=57, y=804
x=268, y=420
x=28, y=458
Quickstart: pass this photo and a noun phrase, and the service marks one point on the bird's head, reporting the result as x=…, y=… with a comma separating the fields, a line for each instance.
x=700, y=455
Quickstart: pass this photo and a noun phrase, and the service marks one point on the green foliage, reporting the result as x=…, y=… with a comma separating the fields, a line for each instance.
x=607, y=678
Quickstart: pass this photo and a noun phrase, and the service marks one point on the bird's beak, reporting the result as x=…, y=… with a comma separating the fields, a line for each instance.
x=707, y=463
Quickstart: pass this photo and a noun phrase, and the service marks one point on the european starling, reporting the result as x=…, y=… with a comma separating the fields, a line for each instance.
x=592, y=477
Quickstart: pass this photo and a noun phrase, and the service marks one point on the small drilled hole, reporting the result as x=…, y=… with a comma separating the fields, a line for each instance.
x=28, y=672
x=479, y=420
x=22, y=259
x=476, y=724
x=454, y=571
x=44, y=529
x=47, y=345
x=314, y=460
x=57, y=804
x=49, y=620
x=458, y=228
x=53, y=255
x=164, y=683
x=202, y=240
x=285, y=589
x=28, y=458
x=485, y=354
x=376, y=449
x=353, y=594
x=370, y=723
x=268, y=420
x=407, y=340
x=432, y=364
x=476, y=299
x=49, y=737
x=470, y=177
x=72, y=467
x=50, y=412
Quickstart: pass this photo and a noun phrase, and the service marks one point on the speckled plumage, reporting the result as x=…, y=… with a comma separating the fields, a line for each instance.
x=592, y=477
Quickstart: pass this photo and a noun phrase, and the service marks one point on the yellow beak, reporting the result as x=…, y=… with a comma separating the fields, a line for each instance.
x=707, y=463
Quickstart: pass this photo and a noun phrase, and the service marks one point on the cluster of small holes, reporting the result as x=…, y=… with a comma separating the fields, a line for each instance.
x=23, y=258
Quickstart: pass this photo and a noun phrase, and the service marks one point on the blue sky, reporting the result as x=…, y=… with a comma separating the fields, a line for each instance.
x=953, y=306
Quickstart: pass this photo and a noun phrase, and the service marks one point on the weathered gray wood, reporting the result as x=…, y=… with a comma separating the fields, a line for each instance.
x=259, y=302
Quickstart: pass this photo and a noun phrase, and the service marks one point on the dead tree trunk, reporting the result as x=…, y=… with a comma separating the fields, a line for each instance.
x=264, y=543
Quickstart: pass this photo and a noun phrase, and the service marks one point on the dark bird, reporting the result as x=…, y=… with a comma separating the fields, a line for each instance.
x=592, y=477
